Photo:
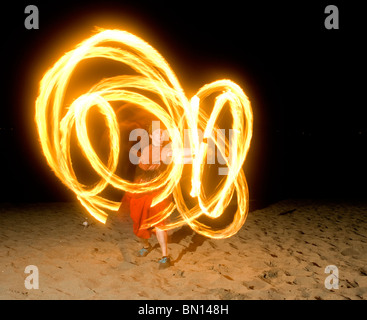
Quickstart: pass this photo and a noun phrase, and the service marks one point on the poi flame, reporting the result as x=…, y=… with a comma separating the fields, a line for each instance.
x=154, y=75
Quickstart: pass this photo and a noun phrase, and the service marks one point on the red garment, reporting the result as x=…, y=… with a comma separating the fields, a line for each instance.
x=138, y=205
x=139, y=208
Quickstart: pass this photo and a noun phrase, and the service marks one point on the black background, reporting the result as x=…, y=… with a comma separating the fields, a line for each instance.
x=305, y=84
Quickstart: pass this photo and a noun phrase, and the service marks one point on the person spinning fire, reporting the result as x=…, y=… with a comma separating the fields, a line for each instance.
x=152, y=162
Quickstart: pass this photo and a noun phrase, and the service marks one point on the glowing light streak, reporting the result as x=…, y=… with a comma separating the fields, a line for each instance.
x=155, y=76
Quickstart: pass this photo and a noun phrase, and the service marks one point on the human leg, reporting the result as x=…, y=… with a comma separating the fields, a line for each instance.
x=165, y=262
x=162, y=239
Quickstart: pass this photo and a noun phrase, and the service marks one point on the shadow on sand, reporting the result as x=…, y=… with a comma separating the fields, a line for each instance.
x=196, y=241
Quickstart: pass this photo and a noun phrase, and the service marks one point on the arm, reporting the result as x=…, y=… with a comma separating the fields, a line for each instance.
x=167, y=155
x=144, y=161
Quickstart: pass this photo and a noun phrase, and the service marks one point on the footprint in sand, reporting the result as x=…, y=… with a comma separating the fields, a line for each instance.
x=350, y=252
x=256, y=284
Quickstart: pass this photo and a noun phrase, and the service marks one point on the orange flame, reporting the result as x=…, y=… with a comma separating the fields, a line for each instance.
x=155, y=76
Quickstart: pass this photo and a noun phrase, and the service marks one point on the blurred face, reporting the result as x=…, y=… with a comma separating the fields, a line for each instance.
x=158, y=136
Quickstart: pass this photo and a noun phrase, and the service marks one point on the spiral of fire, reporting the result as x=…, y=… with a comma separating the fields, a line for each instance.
x=153, y=74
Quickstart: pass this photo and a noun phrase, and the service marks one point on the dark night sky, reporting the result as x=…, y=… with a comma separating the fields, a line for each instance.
x=305, y=84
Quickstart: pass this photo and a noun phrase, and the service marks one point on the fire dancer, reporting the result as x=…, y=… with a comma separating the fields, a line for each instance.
x=152, y=163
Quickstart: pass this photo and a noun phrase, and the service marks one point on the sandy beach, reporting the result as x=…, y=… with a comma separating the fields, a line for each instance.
x=280, y=253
